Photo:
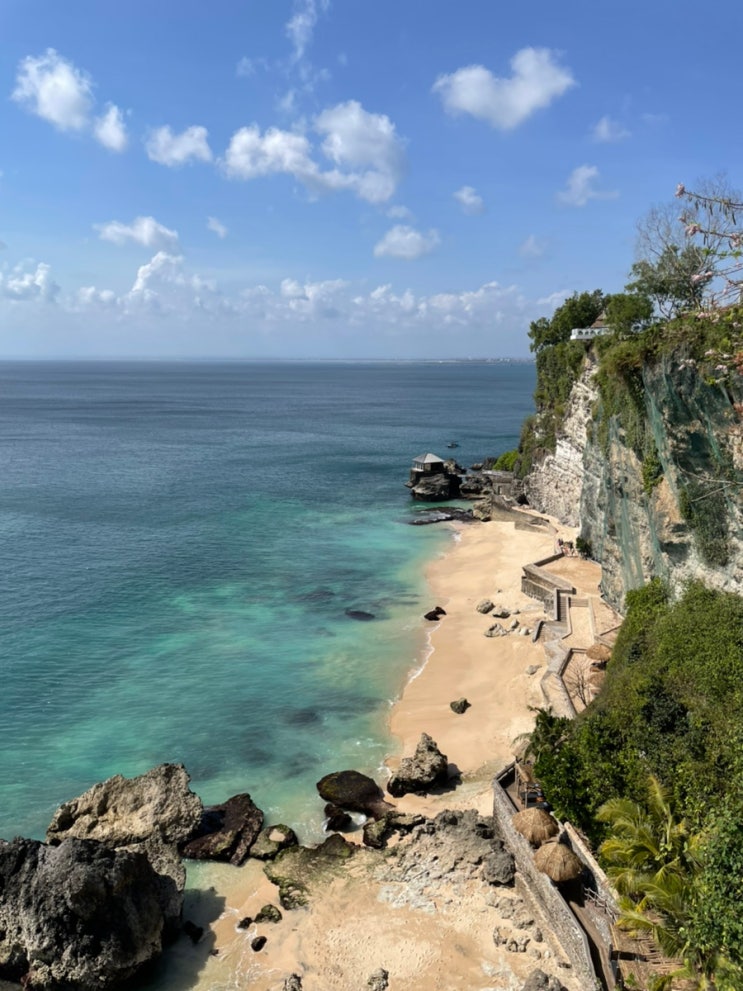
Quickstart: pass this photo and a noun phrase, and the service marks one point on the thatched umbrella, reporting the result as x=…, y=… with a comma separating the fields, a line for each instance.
x=536, y=825
x=558, y=862
x=599, y=652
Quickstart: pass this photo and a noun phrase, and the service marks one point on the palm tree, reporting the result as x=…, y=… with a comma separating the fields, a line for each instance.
x=654, y=862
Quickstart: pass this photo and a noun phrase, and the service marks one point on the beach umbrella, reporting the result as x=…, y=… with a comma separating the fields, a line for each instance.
x=536, y=825
x=558, y=862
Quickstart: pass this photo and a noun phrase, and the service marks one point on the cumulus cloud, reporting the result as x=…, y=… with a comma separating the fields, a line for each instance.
x=609, y=131
x=301, y=26
x=533, y=247
x=580, y=187
x=110, y=130
x=364, y=148
x=217, y=227
x=25, y=284
x=142, y=230
x=399, y=212
x=555, y=299
x=56, y=90
x=470, y=201
x=406, y=242
x=536, y=80
x=173, y=150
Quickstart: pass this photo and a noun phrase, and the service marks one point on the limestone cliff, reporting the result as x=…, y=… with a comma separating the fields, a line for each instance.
x=671, y=508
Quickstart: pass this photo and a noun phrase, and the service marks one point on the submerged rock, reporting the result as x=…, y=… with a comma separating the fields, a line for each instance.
x=79, y=914
x=227, y=831
x=427, y=768
x=360, y=614
x=297, y=869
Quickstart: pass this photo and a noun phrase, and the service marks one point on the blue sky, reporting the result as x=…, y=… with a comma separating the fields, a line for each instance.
x=340, y=178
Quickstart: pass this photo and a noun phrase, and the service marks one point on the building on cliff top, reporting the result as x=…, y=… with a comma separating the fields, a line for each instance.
x=597, y=328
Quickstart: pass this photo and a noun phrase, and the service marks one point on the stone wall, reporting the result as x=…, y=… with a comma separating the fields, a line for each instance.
x=562, y=921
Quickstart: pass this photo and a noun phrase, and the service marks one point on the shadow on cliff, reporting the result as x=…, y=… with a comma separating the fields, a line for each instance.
x=183, y=960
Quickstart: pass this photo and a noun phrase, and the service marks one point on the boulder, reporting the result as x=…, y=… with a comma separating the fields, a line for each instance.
x=150, y=814
x=257, y=943
x=379, y=980
x=336, y=820
x=539, y=981
x=485, y=606
x=293, y=983
x=226, y=832
x=377, y=832
x=298, y=869
x=426, y=769
x=272, y=840
x=500, y=612
x=269, y=913
x=434, y=486
x=353, y=791
x=79, y=914
x=460, y=706
x=496, y=630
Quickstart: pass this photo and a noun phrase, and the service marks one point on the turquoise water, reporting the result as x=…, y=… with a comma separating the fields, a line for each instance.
x=180, y=545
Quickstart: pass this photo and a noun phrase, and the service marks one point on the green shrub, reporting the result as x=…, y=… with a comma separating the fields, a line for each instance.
x=506, y=461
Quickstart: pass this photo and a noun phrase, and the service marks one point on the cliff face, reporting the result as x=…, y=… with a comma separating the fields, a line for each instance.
x=679, y=517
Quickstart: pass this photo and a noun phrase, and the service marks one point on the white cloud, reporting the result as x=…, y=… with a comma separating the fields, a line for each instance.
x=536, y=81
x=167, y=148
x=142, y=230
x=405, y=242
x=364, y=148
x=580, y=187
x=399, y=212
x=161, y=268
x=555, y=299
x=217, y=227
x=54, y=89
x=23, y=284
x=301, y=26
x=609, y=130
x=89, y=296
x=533, y=247
x=110, y=130
x=470, y=201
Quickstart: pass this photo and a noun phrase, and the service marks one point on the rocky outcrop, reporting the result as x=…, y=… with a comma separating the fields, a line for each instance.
x=376, y=833
x=151, y=814
x=226, y=831
x=426, y=769
x=272, y=841
x=539, y=981
x=298, y=870
x=353, y=791
x=673, y=509
x=79, y=914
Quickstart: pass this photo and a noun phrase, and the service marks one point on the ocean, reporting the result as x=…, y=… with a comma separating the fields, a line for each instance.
x=181, y=542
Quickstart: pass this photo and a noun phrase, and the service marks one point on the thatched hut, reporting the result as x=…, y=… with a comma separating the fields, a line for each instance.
x=558, y=862
x=536, y=825
x=599, y=654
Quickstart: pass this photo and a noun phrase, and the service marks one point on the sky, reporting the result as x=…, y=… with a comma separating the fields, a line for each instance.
x=340, y=178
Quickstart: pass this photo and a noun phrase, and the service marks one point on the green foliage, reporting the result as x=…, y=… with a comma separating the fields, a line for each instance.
x=702, y=504
x=583, y=547
x=506, y=461
x=628, y=313
x=675, y=281
x=652, y=470
x=581, y=310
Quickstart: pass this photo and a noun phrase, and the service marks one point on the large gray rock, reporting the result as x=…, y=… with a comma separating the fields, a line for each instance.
x=539, y=981
x=150, y=814
x=426, y=769
x=79, y=915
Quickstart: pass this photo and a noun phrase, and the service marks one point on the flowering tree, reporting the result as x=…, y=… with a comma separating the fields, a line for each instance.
x=711, y=225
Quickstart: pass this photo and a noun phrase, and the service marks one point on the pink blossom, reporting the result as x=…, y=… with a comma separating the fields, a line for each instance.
x=680, y=189
x=693, y=229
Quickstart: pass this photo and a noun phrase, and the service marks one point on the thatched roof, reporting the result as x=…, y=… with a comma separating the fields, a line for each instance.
x=558, y=861
x=536, y=825
x=598, y=652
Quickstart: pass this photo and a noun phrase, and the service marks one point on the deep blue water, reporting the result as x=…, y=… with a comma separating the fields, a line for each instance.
x=180, y=542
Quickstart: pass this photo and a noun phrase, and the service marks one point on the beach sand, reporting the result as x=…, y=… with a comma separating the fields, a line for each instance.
x=358, y=924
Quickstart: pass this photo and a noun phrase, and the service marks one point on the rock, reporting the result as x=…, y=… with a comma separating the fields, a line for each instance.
x=539, y=981
x=297, y=869
x=360, y=614
x=460, y=706
x=271, y=840
x=435, y=613
x=227, y=831
x=353, y=791
x=444, y=515
x=336, y=820
x=532, y=669
x=376, y=833
x=379, y=980
x=434, y=486
x=426, y=769
x=269, y=913
x=258, y=943
x=485, y=606
x=496, y=630
x=151, y=814
x=80, y=914
x=193, y=931
x=245, y=923
x=513, y=625
x=500, y=867
x=500, y=612
x=293, y=983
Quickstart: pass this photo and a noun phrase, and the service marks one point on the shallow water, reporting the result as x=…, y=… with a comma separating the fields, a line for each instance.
x=181, y=543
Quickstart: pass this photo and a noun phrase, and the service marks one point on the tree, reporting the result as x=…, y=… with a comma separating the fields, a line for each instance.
x=627, y=313
x=711, y=217
x=580, y=310
x=675, y=281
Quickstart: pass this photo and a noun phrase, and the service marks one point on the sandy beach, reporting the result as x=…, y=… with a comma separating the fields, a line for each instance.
x=360, y=923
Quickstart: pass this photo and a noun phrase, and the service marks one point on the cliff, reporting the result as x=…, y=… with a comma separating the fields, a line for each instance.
x=652, y=473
